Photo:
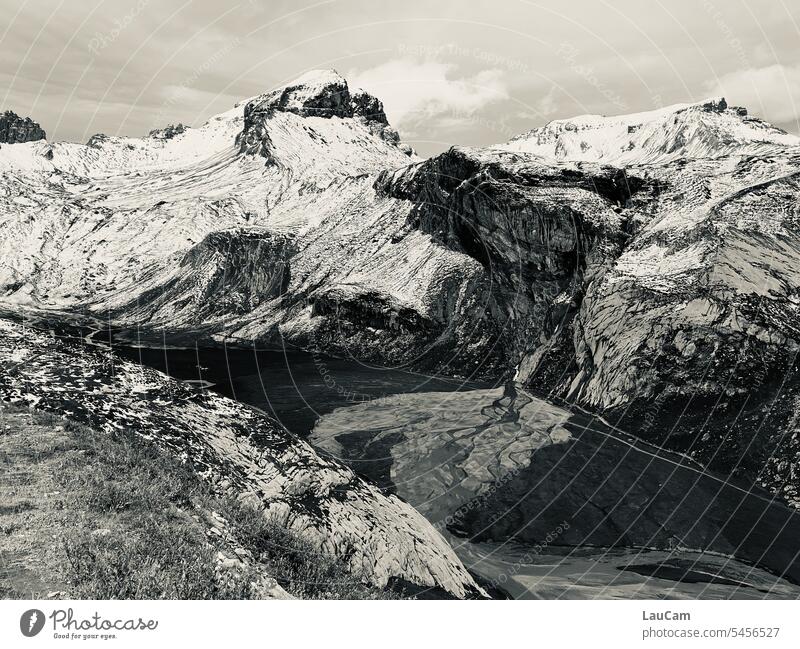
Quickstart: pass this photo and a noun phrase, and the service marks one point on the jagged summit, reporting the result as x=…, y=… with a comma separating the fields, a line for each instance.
x=15, y=129
x=320, y=95
x=704, y=129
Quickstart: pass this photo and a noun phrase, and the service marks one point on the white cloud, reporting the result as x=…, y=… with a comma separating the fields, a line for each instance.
x=545, y=106
x=771, y=92
x=425, y=91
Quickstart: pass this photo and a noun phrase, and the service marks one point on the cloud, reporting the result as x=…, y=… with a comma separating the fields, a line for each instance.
x=771, y=92
x=545, y=106
x=414, y=91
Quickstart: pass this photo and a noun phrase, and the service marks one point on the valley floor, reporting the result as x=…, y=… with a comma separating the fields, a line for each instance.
x=545, y=504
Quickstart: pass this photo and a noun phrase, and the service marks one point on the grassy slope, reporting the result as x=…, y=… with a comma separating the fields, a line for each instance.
x=93, y=516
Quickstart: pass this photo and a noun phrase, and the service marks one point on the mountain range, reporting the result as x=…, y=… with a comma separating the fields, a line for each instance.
x=644, y=268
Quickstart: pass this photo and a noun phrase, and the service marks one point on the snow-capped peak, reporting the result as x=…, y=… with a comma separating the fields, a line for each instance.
x=318, y=93
x=317, y=109
x=709, y=128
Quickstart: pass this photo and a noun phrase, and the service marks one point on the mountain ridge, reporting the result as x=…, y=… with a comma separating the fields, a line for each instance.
x=706, y=128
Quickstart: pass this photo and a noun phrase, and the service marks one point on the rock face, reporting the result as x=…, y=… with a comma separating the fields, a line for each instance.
x=319, y=93
x=14, y=129
x=535, y=229
x=229, y=272
x=243, y=453
x=689, y=337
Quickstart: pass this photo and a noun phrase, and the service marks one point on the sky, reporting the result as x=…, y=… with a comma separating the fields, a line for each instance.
x=468, y=72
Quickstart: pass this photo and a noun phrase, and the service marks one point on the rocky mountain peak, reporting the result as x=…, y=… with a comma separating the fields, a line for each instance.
x=320, y=93
x=15, y=129
x=316, y=94
x=714, y=105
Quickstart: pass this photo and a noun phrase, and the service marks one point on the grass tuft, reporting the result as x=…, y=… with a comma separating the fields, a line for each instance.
x=160, y=561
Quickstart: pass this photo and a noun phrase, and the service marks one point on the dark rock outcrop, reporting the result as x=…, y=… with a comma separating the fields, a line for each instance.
x=168, y=132
x=15, y=129
x=367, y=106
